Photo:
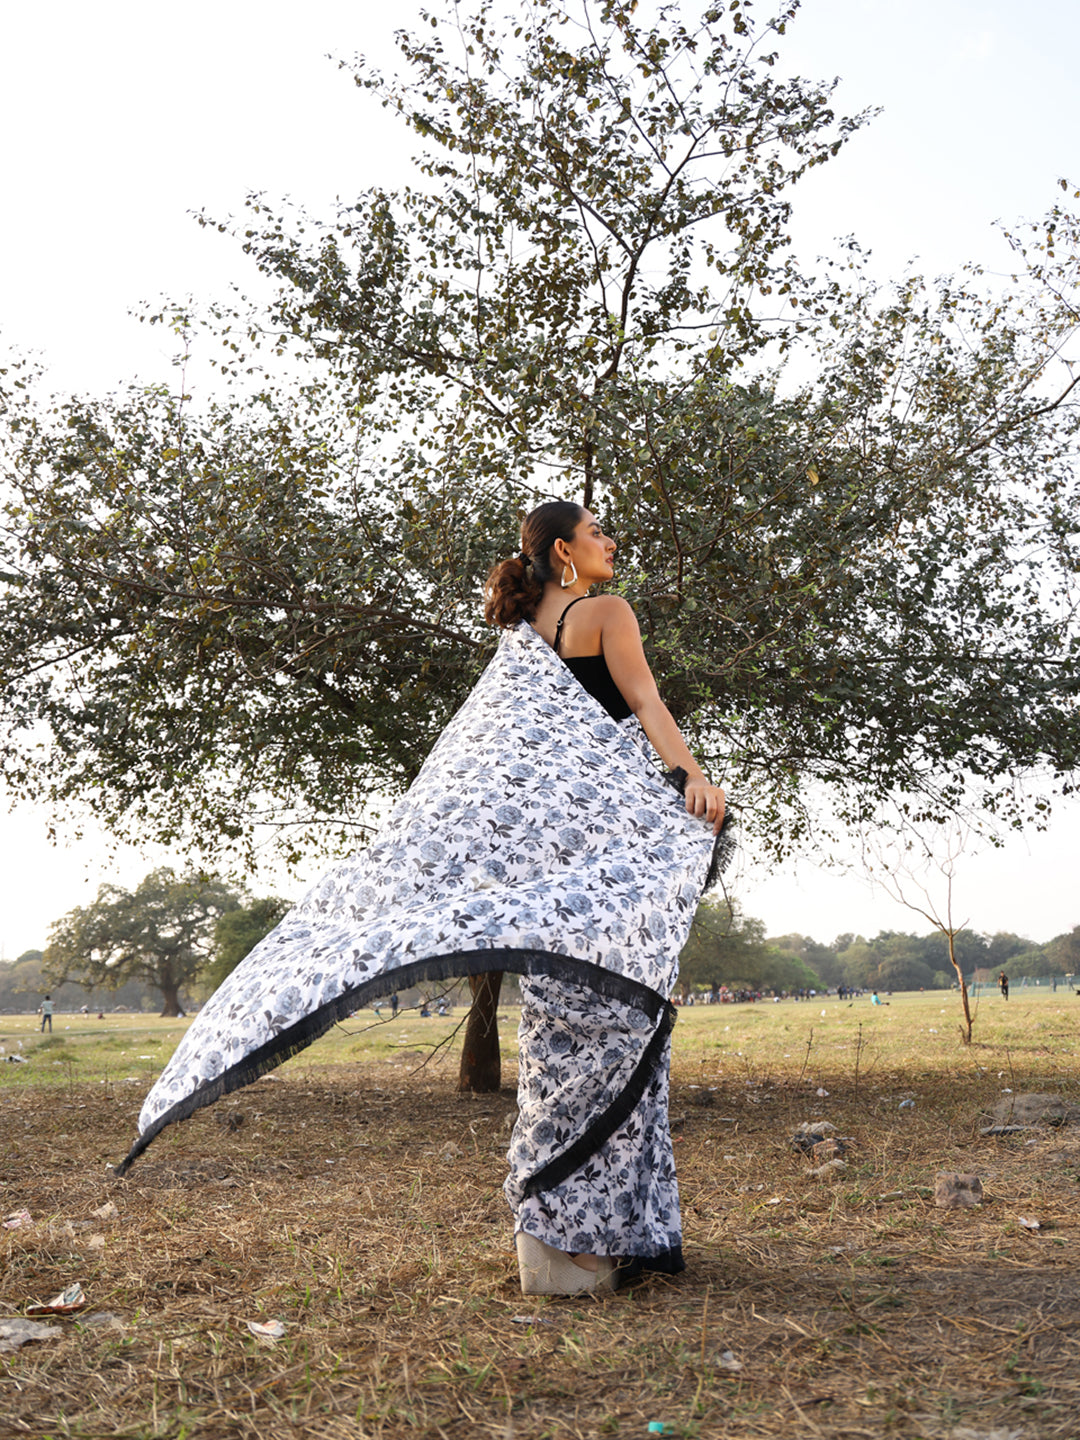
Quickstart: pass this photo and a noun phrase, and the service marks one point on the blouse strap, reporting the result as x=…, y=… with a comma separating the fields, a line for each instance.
x=562, y=617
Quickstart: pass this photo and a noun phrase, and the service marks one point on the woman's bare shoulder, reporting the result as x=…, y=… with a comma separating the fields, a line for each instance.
x=614, y=610
x=614, y=606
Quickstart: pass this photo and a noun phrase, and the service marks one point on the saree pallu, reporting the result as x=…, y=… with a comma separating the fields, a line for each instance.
x=540, y=838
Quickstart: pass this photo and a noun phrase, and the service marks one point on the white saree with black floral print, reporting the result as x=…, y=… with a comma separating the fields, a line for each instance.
x=540, y=837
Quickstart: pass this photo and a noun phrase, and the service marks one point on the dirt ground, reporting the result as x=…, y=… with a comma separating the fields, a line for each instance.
x=361, y=1206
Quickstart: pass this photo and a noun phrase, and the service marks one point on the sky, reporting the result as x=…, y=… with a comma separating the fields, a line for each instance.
x=120, y=120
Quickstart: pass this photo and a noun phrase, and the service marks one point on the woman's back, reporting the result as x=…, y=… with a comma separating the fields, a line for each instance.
x=589, y=667
x=571, y=625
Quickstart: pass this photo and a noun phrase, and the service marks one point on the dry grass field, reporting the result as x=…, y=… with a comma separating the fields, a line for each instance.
x=355, y=1197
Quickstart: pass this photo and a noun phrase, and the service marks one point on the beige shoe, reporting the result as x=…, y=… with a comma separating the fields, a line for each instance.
x=547, y=1271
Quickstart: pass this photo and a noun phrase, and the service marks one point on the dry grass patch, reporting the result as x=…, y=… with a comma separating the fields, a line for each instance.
x=361, y=1205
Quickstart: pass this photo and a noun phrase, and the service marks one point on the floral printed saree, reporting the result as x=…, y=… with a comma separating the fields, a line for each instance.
x=541, y=838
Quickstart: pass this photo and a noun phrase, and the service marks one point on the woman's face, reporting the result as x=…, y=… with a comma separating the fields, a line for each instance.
x=591, y=551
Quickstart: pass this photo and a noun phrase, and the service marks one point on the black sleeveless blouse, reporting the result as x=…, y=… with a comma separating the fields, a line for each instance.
x=592, y=673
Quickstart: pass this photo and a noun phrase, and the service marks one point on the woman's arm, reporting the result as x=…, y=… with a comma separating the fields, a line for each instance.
x=620, y=641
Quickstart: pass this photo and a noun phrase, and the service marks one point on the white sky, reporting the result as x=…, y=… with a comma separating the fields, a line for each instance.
x=119, y=119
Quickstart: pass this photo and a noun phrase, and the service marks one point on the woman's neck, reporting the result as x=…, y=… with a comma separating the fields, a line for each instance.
x=577, y=591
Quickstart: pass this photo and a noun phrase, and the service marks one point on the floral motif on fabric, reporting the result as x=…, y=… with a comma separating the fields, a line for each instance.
x=576, y=1053
x=537, y=824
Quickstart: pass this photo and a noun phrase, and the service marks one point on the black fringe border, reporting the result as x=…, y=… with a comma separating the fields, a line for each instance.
x=560, y=1167
x=309, y=1028
x=457, y=966
x=725, y=844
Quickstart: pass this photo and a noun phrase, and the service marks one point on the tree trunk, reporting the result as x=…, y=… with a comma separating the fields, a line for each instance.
x=170, y=994
x=964, y=998
x=481, y=1065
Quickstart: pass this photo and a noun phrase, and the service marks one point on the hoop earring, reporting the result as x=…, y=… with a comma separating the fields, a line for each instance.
x=573, y=579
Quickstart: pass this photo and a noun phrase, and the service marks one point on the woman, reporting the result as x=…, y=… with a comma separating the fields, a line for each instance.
x=618, y=1212
x=541, y=838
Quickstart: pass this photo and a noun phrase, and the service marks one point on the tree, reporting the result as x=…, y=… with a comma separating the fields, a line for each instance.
x=822, y=960
x=904, y=972
x=1064, y=951
x=19, y=979
x=897, y=878
x=237, y=932
x=161, y=933
x=1032, y=962
x=725, y=947
x=858, y=965
x=264, y=609
x=1003, y=947
x=970, y=949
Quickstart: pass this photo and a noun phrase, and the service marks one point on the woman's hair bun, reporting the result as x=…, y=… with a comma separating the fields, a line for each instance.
x=512, y=592
x=514, y=587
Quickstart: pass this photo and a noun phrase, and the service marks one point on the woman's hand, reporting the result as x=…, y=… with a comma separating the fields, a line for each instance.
x=706, y=801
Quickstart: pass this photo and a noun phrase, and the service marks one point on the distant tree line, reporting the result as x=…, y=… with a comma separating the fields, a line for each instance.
x=23, y=982
x=726, y=947
x=174, y=939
